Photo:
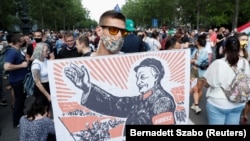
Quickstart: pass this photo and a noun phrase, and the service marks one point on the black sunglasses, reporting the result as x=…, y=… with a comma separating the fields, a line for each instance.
x=114, y=30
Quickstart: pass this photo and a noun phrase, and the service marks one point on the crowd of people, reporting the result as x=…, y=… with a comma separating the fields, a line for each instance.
x=117, y=35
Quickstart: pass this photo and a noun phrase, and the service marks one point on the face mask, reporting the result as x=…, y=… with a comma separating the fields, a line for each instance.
x=243, y=44
x=38, y=40
x=111, y=44
x=1, y=46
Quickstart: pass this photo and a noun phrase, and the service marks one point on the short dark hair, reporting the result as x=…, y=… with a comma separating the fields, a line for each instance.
x=16, y=38
x=154, y=34
x=202, y=39
x=39, y=30
x=170, y=43
x=9, y=38
x=111, y=14
x=83, y=39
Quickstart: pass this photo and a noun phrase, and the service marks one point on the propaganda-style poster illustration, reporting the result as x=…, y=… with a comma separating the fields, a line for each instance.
x=93, y=98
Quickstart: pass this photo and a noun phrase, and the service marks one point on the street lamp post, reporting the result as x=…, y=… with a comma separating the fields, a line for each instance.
x=25, y=18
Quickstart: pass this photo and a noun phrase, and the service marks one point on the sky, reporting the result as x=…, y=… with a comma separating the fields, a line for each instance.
x=97, y=7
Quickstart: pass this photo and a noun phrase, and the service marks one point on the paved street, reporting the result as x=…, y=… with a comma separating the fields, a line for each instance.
x=8, y=133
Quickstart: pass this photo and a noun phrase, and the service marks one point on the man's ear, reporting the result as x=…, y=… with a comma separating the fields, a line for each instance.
x=98, y=30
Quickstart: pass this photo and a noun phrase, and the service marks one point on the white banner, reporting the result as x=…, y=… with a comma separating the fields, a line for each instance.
x=93, y=98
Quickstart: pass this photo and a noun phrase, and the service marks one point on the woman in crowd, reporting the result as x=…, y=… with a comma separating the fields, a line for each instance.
x=198, y=56
x=40, y=72
x=172, y=43
x=220, y=110
x=243, y=38
x=36, y=125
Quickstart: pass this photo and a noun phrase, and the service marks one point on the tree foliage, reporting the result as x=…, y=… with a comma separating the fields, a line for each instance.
x=46, y=14
x=198, y=13
x=70, y=14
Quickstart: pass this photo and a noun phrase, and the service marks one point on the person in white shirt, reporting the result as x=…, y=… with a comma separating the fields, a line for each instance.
x=220, y=110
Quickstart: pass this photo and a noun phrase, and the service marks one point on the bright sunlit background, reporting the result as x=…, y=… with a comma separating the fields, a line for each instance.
x=97, y=7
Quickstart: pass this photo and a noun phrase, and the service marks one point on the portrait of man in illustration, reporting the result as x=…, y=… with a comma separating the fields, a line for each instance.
x=153, y=106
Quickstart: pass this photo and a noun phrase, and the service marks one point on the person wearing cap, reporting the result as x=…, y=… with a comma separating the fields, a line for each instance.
x=153, y=105
x=132, y=43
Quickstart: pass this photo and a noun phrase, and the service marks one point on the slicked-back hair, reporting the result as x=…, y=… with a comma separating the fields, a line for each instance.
x=111, y=14
x=83, y=39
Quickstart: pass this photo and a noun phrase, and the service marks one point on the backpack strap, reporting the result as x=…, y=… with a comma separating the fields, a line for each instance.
x=244, y=66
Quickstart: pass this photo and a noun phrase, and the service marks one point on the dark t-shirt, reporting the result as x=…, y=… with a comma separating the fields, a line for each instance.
x=220, y=36
x=132, y=43
x=15, y=57
x=31, y=47
x=68, y=53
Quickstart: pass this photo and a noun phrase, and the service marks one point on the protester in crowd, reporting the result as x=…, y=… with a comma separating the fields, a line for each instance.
x=132, y=43
x=199, y=56
x=91, y=35
x=172, y=43
x=208, y=47
x=156, y=41
x=37, y=124
x=141, y=34
x=138, y=109
x=82, y=45
x=111, y=30
x=243, y=38
x=38, y=37
x=220, y=43
x=39, y=69
x=184, y=39
x=191, y=41
x=147, y=40
x=6, y=73
x=48, y=40
x=220, y=75
x=16, y=65
x=27, y=42
x=68, y=49
x=59, y=43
